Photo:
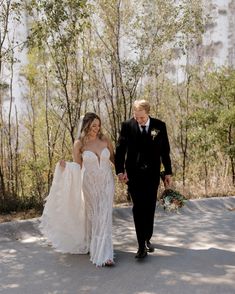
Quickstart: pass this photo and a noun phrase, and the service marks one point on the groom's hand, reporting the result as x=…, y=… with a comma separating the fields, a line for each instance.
x=167, y=181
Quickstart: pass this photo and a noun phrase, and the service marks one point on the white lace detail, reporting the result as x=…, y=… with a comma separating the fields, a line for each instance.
x=76, y=221
x=98, y=189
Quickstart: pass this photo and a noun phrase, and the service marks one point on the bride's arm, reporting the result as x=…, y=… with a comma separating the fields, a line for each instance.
x=111, y=150
x=77, y=156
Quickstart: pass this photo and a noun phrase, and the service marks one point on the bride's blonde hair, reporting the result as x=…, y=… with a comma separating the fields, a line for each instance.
x=88, y=118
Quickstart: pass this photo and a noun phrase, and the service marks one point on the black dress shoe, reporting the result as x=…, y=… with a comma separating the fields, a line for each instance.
x=141, y=253
x=150, y=247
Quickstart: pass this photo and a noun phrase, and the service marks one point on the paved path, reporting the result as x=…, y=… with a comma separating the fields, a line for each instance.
x=195, y=254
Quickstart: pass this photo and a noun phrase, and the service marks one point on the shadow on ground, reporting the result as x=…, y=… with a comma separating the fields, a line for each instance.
x=195, y=253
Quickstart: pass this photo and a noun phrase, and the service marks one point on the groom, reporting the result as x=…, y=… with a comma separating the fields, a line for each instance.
x=141, y=149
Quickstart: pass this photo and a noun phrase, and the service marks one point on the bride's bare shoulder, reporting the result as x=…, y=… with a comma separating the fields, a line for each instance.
x=77, y=146
x=105, y=138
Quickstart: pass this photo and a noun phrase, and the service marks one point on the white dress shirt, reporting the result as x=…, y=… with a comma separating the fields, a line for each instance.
x=146, y=125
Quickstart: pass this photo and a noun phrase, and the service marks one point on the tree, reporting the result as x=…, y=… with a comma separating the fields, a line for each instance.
x=212, y=123
x=10, y=13
x=57, y=28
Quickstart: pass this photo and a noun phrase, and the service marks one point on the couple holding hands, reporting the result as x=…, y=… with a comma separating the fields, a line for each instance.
x=77, y=217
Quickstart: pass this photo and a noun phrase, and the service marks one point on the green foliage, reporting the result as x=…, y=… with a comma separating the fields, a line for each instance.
x=100, y=58
x=217, y=108
x=57, y=23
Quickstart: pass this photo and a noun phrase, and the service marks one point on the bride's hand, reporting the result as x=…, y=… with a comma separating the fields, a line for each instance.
x=62, y=163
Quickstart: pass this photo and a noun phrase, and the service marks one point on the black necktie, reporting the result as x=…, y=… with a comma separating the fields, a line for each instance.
x=143, y=149
x=144, y=133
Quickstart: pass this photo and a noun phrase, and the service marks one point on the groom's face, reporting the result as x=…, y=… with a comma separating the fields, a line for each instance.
x=141, y=116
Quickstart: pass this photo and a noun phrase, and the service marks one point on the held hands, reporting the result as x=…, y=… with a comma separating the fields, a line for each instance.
x=123, y=178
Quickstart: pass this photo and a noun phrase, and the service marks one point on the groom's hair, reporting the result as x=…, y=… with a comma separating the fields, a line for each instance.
x=141, y=105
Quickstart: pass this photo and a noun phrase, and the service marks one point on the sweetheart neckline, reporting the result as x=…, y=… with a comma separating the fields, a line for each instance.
x=96, y=155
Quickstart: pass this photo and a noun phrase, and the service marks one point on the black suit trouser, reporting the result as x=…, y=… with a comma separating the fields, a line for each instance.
x=143, y=192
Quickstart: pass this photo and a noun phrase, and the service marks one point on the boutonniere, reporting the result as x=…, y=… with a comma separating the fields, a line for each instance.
x=154, y=133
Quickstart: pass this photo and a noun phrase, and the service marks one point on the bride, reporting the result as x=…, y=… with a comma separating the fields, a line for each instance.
x=77, y=217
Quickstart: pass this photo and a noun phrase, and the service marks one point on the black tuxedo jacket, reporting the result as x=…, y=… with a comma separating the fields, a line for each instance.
x=156, y=149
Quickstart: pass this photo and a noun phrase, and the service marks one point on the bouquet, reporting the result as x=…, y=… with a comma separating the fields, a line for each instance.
x=172, y=200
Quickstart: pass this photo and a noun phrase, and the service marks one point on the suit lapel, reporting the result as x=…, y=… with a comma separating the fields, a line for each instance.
x=150, y=126
x=135, y=128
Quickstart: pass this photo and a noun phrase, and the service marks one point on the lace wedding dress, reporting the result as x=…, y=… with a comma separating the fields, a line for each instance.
x=77, y=216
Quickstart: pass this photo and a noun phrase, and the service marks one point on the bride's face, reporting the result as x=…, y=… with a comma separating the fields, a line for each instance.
x=94, y=127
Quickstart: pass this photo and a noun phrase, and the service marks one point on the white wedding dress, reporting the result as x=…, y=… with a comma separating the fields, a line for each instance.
x=77, y=216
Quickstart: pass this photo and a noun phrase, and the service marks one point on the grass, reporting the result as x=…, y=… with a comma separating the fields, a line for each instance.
x=20, y=215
